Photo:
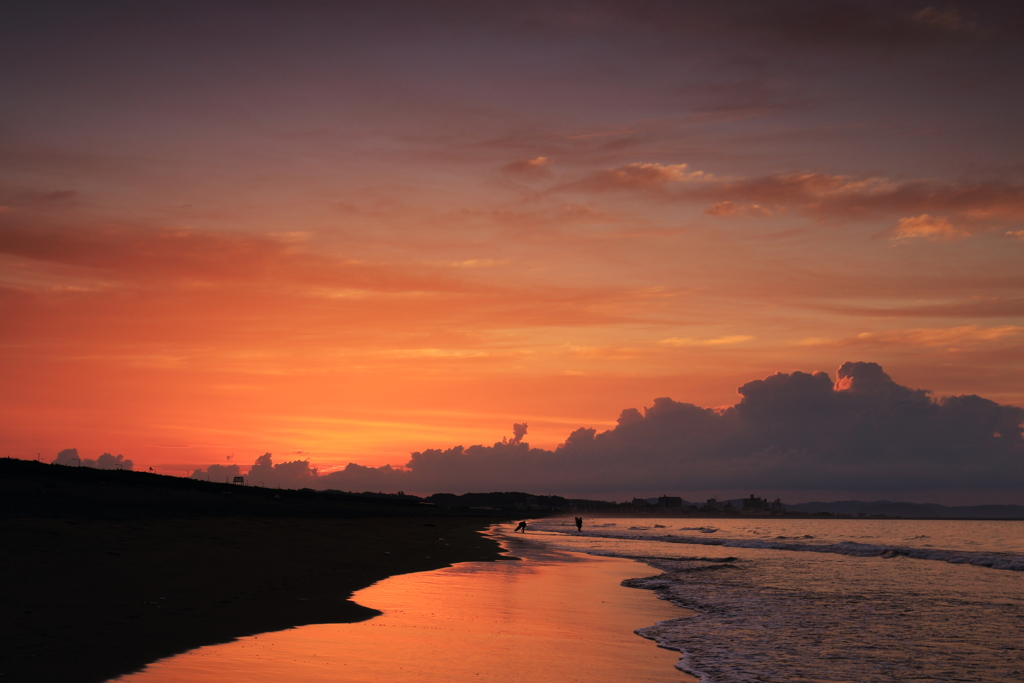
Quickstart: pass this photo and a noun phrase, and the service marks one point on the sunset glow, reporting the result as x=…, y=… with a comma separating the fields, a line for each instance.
x=347, y=235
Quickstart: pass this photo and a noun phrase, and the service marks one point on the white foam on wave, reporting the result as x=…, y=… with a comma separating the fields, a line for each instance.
x=834, y=609
x=756, y=622
x=1005, y=561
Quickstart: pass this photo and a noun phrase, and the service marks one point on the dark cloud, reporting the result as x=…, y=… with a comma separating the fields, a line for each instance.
x=106, y=461
x=218, y=472
x=893, y=25
x=790, y=431
x=68, y=456
x=518, y=432
x=109, y=462
x=295, y=474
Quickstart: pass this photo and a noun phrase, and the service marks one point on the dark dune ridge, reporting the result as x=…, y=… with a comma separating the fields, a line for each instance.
x=107, y=571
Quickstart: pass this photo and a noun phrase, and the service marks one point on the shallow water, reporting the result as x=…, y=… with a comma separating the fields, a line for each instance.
x=552, y=616
x=827, y=600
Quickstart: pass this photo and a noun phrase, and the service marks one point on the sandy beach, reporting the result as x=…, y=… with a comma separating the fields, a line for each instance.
x=107, y=571
x=548, y=616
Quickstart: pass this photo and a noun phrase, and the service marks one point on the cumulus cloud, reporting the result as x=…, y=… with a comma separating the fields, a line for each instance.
x=68, y=456
x=109, y=462
x=218, y=473
x=518, y=432
x=790, y=431
x=106, y=461
x=295, y=474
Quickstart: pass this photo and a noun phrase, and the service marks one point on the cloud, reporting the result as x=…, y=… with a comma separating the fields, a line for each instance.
x=218, y=472
x=518, y=432
x=601, y=352
x=947, y=20
x=68, y=456
x=974, y=307
x=190, y=256
x=644, y=176
x=925, y=337
x=109, y=462
x=790, y=431
x=820, y=195
x=295, y=474
x=935, y=229
x=529, y=168
x=106, y=461
x=728, y=208
x=884, y=25
x=719, y=341
x=478, y=263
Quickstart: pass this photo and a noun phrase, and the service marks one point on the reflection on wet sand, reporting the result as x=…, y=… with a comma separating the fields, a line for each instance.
x=551, y=617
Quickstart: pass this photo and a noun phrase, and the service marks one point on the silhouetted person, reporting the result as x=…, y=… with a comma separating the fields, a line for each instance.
x=521, y=527
x=579, y=524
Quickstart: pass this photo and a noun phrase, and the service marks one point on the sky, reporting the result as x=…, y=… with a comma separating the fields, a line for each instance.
x=347, y=233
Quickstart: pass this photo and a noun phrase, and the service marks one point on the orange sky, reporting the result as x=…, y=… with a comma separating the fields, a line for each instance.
x=350, y=237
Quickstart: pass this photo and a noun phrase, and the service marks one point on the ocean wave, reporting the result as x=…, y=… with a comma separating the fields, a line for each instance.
x=880, y=625
x=1007, y=561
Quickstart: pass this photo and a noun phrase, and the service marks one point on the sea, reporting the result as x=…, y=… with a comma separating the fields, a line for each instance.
x=791, y=600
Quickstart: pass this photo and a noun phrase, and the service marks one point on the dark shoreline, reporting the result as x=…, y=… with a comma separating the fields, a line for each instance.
x=107, y=571
x=796, y=515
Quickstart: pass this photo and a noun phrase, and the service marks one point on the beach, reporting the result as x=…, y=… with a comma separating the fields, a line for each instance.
x=107, y=571
x=141, y=579
x=547, y=616
x=115, y=577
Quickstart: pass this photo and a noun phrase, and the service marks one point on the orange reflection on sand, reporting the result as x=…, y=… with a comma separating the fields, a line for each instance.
x=551, y=617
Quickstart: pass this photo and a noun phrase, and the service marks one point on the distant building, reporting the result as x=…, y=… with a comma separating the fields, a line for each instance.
x=670, y=502
x=713, y=504
x=755, y=504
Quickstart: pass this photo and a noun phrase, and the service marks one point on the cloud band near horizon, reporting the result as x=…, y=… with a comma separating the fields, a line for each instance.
x=796, y=431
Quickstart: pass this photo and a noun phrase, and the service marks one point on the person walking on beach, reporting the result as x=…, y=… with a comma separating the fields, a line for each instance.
x=521, y=527
x=579, y=524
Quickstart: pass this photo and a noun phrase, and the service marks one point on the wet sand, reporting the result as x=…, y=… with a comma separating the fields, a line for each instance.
x=105, y=572
x=551, y=616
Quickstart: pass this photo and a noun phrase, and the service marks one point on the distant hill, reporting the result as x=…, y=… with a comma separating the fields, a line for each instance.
x=506, y=500
x=34, y=489
x=499, y=500
x=895, y=509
